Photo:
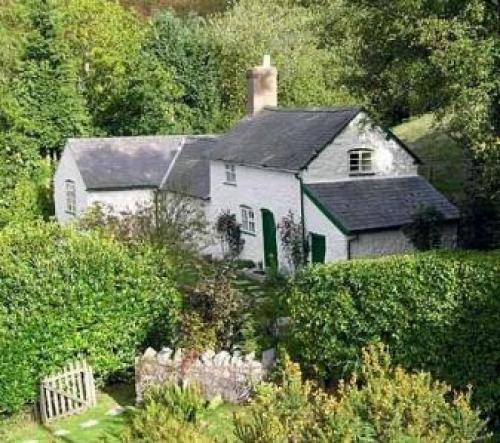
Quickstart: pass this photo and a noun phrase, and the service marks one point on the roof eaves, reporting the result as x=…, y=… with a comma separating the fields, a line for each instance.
x=328, y=214
x=392, y=227
x=121, y=188
x=250, y=165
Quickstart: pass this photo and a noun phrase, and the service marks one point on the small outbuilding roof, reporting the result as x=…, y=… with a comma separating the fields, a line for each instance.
x=283, y=138
x=124, y=162
x=372, y=204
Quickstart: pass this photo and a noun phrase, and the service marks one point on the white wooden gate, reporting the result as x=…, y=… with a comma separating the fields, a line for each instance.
x=68, y=392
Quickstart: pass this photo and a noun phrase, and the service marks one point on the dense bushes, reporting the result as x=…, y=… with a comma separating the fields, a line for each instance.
x=63, y=294
x=438, y=312
x=383, y=404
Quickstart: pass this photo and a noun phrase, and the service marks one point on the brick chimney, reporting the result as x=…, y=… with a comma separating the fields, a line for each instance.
x=262, y=87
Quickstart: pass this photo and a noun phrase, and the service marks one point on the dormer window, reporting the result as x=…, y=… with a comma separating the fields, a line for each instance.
x=230, y=174
x=360, y=161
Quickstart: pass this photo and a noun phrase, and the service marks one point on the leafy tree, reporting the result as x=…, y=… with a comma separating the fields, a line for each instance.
x=105, y=40
x=150, y=102
x=182, y=48
x=407, y=57
x=46, y=86
x=287, y=31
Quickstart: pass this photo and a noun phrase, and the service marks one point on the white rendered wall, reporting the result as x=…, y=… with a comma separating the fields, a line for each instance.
x=258, y=189
x=122, y=200
x=389, y=158
x=317, y=223
x=396, y=242
x=67, y=170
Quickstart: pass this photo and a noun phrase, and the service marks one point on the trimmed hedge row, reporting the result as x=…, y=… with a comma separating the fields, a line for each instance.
x=437, y=311
x=64, y=294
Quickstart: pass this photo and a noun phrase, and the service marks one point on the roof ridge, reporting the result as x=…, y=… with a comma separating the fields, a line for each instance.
x=314, y=109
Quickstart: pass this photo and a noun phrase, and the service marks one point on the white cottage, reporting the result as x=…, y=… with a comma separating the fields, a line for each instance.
x=353, y=184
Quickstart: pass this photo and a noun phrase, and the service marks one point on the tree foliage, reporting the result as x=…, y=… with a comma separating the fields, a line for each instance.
x=285, y=30
x=409, y=57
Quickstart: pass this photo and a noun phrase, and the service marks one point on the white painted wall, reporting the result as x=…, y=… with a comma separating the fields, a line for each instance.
x=122, y=200
x=259, y=189
x=68, y=170
x=395, y=242
x=332, y=164
x=317, y=223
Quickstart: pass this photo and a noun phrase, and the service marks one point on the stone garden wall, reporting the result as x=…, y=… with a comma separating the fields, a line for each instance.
x=228, y=376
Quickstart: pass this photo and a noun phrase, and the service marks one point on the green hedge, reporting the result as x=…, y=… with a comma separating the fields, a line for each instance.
x=64, y=294
x=437, y=311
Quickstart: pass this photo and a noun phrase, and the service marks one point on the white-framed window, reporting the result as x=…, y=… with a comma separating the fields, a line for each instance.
x=247, y=219
x=70, y=196
x=230, y=173
x=360, y=161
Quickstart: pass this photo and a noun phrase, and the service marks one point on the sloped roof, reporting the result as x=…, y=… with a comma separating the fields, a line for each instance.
x=370, y=204
x=124, y=162
x=191, y=172
x=282, y=138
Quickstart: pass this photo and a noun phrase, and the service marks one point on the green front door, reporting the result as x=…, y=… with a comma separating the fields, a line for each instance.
x=269, y=233
x=318, y=248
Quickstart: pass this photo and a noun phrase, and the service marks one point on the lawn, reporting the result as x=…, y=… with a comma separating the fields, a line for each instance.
x=444, y=164
x=107, y=428
x=217, y=423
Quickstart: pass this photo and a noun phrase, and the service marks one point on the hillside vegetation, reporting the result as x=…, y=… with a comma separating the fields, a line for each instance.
x=443, y=159
x=202, y=7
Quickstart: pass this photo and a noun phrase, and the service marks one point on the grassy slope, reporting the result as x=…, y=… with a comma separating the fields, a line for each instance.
x=443, y=159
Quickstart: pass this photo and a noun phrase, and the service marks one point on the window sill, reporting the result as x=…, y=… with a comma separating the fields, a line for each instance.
x=360, y=174
x=230, y=183
x=251, y=234
x=73, y=214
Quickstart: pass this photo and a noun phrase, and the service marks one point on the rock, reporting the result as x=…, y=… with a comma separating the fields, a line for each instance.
x=178, y=356
x=60, y=433
x=207, y=356
x=149, y=354
x=222, y=358
x=117, y=410
x=164, y=356
x=249, y=357
x=89, y=424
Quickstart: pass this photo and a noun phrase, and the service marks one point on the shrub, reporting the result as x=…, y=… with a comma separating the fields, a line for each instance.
x=424, y=231
x=437, y=311
x=170, y=414
x=383, y=404
x=219, y=304
x=63, y=294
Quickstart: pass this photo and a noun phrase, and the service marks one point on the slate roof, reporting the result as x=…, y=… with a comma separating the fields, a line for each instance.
x=124, y=162
x=283, y=138
x=191, y=172
x=371, y=204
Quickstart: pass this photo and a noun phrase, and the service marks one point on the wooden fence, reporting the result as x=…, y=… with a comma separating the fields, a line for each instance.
x=68, y=392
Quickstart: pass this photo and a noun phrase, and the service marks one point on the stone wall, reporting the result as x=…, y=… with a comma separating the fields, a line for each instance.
x=229, y=376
